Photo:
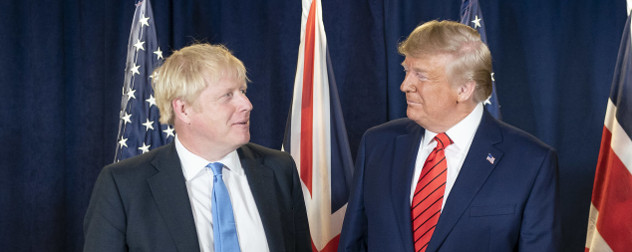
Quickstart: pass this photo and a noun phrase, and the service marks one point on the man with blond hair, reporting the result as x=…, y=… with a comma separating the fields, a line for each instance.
x=450, y=177
x=210, y=189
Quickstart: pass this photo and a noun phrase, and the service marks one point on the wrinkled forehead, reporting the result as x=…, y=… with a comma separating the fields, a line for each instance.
x=428, y=60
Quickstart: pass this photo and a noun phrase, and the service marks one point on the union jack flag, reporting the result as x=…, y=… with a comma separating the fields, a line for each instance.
x=315, y=134
x=139, y=128
x=610, y=222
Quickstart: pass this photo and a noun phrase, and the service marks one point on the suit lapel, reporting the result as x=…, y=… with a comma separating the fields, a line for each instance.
x=170, y=194
x=260, y=178
x=474, y=173
x=403, y=166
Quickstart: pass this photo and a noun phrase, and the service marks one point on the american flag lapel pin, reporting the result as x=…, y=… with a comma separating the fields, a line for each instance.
x=490, y=158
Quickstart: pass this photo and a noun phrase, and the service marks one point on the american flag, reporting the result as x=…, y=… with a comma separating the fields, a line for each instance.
x=491, y=159
x=610, y=220
x=471, y=15
x=315, y=134
x=139, y=128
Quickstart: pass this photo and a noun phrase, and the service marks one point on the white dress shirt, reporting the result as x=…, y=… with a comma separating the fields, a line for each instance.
x=199, y=182
x=461, y=135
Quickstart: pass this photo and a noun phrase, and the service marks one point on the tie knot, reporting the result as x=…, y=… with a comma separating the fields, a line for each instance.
x=216, y=167
x=442, y=140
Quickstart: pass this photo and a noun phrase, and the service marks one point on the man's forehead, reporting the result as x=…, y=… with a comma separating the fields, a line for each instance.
x=421, y=60
x=415, y=63
x=225, y=79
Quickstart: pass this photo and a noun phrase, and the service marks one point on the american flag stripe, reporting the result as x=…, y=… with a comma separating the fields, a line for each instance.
x=610, y=221
x=316, y=136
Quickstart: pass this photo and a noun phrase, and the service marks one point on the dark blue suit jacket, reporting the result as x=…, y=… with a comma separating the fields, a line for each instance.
x=508, y=205
x=141, y=204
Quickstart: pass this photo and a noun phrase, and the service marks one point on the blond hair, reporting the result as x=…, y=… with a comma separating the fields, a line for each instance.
x=471, y=60
x=190, y=70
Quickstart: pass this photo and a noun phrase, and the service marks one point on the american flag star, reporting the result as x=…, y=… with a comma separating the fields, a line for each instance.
x=472, y=16
x=139, y=131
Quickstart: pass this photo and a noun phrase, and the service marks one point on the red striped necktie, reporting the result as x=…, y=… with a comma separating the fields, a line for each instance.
x=428, y=197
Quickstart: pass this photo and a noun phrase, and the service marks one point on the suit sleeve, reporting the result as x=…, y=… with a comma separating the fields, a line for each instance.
x=303, y=241
x=540, y=229
x=104, y=223
x=354, y=228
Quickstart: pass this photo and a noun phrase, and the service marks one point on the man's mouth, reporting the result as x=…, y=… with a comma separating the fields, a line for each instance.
x=241, y=123
x=409, y=102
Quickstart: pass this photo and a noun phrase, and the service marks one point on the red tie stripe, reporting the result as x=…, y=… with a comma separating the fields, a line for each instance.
x=428, y=197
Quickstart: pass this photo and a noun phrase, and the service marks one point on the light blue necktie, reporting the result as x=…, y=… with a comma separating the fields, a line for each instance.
x=224, y=231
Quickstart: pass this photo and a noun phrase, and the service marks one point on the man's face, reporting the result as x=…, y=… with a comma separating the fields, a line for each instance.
x=220, y=117
x=432, y=101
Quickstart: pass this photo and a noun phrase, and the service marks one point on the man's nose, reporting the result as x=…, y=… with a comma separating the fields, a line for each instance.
x=406, y=84
x=244, y=103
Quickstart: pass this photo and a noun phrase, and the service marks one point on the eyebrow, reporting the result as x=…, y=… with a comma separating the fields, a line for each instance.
x=416, y=69
x=404, y=64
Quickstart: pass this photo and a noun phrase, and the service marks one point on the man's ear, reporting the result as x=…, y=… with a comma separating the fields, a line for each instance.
x=466, y=91
x=181, y=110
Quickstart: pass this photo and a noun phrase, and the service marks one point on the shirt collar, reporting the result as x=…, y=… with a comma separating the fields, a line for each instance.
x=193, y=164
x=461, y=133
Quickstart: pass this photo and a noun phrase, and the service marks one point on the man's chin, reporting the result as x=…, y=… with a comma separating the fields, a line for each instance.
x=244, y=139
x=418, y=119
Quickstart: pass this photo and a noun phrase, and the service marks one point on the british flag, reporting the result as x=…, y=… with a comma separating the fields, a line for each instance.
x=610, y=221
x=315, y=134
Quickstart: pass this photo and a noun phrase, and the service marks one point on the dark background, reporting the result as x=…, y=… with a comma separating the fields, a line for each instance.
x=62, y=65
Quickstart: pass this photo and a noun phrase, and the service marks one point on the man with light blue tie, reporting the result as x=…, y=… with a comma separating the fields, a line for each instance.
x=450, y=177
x=209, y=190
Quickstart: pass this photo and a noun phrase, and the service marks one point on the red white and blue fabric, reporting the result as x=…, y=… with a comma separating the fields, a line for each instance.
x=610, y=221
x=315, y=134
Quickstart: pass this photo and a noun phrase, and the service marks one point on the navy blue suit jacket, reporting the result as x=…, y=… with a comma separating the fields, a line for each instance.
x=141, y=203
x=508, y=205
